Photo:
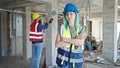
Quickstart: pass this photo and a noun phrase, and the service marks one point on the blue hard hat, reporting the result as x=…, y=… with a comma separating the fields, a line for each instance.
x=70, y=8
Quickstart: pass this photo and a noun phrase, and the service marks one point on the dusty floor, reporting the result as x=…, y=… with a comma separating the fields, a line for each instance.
x=90, y=62
x=13, y=62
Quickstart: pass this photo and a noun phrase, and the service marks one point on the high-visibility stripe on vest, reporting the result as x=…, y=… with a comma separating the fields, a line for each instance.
x=35, y=35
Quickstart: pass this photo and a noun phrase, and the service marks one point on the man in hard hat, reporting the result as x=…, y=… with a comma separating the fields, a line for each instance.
x=36, y=37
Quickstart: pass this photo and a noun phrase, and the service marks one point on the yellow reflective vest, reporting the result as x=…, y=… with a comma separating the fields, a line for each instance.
x=66, y=34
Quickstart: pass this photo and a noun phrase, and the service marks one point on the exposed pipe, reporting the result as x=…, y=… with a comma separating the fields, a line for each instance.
x=11, y=10
x=6, y=10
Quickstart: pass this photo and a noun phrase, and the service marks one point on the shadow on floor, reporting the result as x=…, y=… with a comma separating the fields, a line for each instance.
x=13, y=62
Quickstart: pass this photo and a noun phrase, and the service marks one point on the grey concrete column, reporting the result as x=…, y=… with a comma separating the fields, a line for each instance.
x=51, y=34
x=110, y=14
x=27, y=46
x=3, y=28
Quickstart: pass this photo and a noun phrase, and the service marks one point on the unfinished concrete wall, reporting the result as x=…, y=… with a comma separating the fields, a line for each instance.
x=16, y=34
x=27, y=46
x=109, y=29
x=3, y=34
x=0, y=37
x=19, y=46
x=97, y=29
x=51, y=33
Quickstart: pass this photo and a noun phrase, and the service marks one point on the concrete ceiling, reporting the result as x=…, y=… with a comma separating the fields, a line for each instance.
x=96, y=6
x=82, y=5
x=93, y=8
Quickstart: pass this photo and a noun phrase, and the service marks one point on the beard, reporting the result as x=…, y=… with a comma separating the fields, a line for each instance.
x=39, y=21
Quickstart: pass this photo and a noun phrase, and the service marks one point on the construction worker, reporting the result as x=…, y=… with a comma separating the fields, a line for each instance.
x=70, y=40
x=36, y=37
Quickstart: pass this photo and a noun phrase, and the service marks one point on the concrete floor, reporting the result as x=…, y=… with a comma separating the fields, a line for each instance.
x=96, y=65
x=14, y=62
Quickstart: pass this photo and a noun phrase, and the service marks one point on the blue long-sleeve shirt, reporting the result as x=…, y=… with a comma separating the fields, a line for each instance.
x=41, y=27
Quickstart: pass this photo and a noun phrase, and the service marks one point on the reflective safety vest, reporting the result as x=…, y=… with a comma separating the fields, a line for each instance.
x=76, y=57
x=67, y=34
x=35, y=35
